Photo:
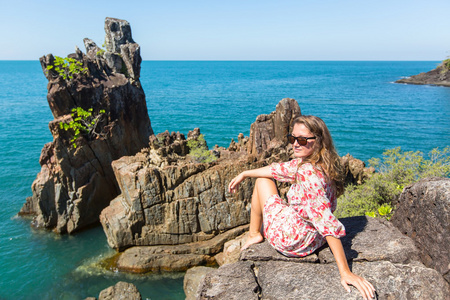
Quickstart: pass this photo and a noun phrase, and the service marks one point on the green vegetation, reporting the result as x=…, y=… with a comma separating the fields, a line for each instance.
x=198, y=150
x=397, y=169
x=384, y=211
x=100, y=52
x=446, y=65
x=67, y=67
x=83, y=123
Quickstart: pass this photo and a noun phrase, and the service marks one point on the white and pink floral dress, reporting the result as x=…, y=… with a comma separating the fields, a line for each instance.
x=299, y=227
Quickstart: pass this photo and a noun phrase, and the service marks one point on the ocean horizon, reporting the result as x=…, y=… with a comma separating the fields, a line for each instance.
x=364, y=109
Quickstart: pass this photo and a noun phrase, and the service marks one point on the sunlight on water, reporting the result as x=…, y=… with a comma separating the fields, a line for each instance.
x=364, y=110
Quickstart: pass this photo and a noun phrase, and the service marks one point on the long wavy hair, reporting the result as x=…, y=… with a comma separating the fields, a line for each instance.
x=324, y=153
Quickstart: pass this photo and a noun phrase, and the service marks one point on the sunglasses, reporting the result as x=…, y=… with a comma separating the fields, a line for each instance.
x=300, y=140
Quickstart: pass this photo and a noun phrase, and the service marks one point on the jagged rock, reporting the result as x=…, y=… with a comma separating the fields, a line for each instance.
x=168, y=200
x=375, y=249
x=75, y=184
x=438, y=76
x=174, y=205
x=120, y=291
x=355, y=170
x=423, y=213
x=122, y=53
x=270, y=131
x=192, y=281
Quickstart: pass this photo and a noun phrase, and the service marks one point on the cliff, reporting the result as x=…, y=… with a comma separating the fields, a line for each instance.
x=439, y=76
x=76, y=180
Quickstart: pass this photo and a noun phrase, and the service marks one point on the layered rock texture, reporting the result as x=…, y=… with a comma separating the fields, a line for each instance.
x=166, y=199
x=423, y=214
x=375, y=249
x=76, y=183
x=438, y=76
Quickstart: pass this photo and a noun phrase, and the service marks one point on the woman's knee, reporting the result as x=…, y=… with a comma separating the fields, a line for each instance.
x=266, y=187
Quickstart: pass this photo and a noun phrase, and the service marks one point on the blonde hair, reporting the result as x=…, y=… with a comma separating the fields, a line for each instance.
x=324, y=154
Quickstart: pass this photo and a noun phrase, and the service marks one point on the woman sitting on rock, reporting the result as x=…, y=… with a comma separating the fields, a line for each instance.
x=300, y=226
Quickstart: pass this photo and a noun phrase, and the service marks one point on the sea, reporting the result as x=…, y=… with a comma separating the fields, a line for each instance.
x=364, y=109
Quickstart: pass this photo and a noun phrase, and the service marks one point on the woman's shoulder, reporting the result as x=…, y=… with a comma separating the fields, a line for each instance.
x=311, y=170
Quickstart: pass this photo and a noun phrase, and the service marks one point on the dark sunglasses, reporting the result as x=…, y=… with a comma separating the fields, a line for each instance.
x=300, y=140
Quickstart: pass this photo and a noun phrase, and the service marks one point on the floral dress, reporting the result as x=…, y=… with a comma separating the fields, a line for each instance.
x=298, y=227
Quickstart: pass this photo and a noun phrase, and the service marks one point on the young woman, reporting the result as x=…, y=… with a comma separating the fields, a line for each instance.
x=303, y=224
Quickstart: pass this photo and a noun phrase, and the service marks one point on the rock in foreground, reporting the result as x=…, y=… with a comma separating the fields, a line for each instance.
x=423, y=214
x=374, y=247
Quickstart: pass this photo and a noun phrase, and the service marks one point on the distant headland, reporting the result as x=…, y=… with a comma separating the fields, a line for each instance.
x=439, y=76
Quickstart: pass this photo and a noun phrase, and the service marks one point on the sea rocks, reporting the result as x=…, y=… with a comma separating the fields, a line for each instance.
x=423, y=213
x=174, y=205
x=438, y=76
x=270, y=131
x=375, y=249
x=76, y=183
x=355, y=170
x=166, y=199
x=120, y=291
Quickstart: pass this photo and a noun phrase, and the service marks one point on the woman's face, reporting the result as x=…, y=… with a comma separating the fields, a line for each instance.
x=300, y=151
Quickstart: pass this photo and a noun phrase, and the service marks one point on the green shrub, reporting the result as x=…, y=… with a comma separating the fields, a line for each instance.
x=198, y=150
x=396, y=170
x=446, y=64
x=83, y=123
x=67, y=67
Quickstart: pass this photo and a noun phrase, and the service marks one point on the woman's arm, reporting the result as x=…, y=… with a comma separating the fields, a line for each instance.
x=347, y=277
x=263, y=172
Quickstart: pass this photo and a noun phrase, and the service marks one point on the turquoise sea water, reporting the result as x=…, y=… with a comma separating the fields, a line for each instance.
x=365, y=111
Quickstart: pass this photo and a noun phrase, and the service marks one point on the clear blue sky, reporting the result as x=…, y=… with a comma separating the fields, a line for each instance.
x=234, y=29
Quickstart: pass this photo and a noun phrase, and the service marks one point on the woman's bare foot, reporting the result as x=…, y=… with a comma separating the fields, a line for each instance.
x=253, y=238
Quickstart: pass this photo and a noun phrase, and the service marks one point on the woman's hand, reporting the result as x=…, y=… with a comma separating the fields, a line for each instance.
x=364, y=287
x=347, y=277
x=234, y=183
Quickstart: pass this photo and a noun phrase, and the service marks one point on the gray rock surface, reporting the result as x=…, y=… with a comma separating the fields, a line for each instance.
x=423, y=213
x=375, y=250
x=120, y=291
x=75, y=184
x=192, y=281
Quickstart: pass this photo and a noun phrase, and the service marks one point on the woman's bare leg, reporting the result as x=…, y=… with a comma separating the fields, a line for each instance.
x=264, y=188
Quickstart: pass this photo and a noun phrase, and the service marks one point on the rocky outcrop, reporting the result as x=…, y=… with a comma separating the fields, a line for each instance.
x=375, y=249
x=166, y=199
x=120, y=291
x=438, y=76
x=270, y=131
x=355, y=170
x=423, y=213
x=76, y=183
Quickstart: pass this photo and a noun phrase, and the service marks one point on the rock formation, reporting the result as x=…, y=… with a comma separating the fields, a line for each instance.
x=166, y=199
x=423, y=213
x=438, y=76
x=75, y=184
x=375, y=249
x=120, y=291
